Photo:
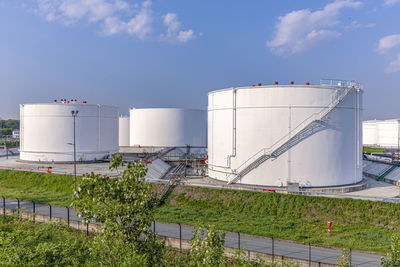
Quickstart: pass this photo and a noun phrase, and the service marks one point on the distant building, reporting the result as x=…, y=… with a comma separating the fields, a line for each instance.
x=383, y=133
x=15, y=134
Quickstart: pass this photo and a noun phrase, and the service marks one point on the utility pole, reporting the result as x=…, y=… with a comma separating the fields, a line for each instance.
x=74, y=113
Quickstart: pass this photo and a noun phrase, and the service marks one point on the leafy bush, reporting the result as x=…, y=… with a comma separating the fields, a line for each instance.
x=208, y=245
x=344, y=259
x=25, y=244
x=393, y=257
x=124, y=209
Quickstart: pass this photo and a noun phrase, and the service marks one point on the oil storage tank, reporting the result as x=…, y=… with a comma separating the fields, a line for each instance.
x=388, y=133
x=168, y=127
x=278, y=135
x=370, y=133
x=123, y=131
x=47, y=131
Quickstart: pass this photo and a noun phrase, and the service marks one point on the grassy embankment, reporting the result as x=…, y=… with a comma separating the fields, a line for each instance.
x=359, y=224
x=40, y=187
x=373, y=150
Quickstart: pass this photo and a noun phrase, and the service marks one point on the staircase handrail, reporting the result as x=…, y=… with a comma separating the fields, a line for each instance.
x=313, y=117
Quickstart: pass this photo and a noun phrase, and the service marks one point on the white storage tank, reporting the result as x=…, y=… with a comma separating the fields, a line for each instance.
x=370, y=133
x=168, y=127
x=388, y=133
x=123, y=131
x=277, y=135
x=47, y=131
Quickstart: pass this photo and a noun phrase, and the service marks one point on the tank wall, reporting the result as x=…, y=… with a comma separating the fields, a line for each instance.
x=47, y=132
x=167, y=127
x=370, y=133
x=388, y=133
x=331, y=156
x=123, y=131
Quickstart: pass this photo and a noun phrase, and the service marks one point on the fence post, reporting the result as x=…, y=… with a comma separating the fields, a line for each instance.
x=87, y=229
x=309, y=254
x=180, y=236
x=350, y=259
x=273, y=250
x=154, y=226
x=4, y=206
x=33, y=210
x=239, y=241
x=68, y=216
x=18, y=205
x=50, y=211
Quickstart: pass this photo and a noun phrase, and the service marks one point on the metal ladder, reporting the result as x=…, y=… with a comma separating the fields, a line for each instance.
x=295, y=136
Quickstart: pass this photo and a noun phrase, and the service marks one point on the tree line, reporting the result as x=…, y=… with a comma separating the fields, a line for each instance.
x=8, y=126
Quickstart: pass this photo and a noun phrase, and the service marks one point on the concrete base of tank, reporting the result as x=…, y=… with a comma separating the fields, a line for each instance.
x=329, y=189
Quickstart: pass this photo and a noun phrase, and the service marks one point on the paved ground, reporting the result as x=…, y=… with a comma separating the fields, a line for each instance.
x=12, y=163
x=156, y=170
x=253, y=243
x=377, y=189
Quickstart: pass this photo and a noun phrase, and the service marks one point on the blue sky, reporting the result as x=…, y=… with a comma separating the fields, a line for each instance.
x=171, y=53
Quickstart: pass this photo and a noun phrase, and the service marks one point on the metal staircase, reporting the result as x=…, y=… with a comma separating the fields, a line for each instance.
x=299, y=133
x=385, y=172
x=172, y=177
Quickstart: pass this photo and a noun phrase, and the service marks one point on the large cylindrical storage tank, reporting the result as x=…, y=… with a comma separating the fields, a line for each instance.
x=123, y=131
x=47, y=132
x=276, y=135
x=168, y=127
x=388, y=133
x=370, y=133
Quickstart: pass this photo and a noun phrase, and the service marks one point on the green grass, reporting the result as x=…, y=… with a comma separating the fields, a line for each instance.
x=373, y=150
x=359, y=224
x=39, y=187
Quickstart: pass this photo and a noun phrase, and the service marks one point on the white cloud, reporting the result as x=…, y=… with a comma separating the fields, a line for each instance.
x=185, y=36
x=109, y=13
x=71, y=11
x=301, y=30
x=389, y=42
x=140, y=25
x=370, y=25
x=394, y=65
x=355, y=24
x=390, y=2
x=174, y=32
x=390, y=46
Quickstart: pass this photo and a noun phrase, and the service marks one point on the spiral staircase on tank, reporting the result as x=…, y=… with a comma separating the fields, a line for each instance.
x=299, y=133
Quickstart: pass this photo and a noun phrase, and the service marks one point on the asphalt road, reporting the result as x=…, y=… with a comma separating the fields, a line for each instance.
x=252, y=243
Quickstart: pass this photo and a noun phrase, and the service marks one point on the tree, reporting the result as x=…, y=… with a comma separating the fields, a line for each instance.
x=123, y=207
x=208, y=246
x=6, y=131
x=393, y=257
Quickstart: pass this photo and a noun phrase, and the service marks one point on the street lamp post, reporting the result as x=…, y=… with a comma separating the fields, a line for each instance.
x=398, y=141
x=74, y=113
